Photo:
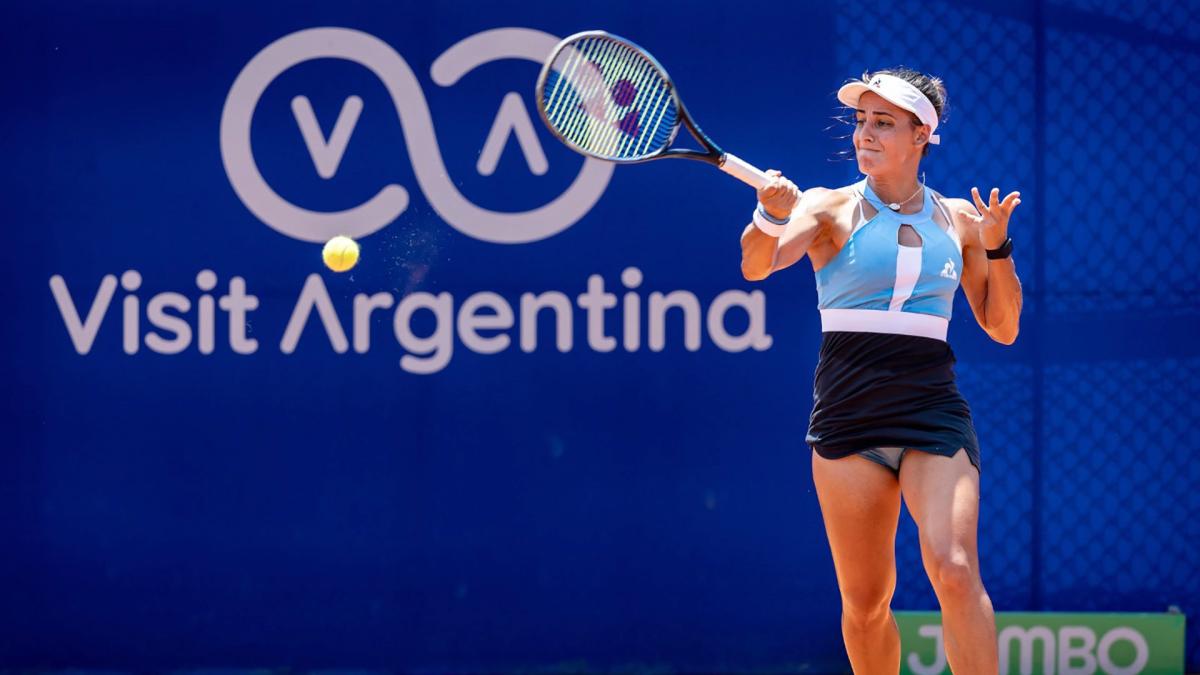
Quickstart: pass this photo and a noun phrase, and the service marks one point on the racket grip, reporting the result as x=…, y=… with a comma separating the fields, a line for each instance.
x=747, y=173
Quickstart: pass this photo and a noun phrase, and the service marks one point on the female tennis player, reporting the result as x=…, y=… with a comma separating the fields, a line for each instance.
x=888, y=420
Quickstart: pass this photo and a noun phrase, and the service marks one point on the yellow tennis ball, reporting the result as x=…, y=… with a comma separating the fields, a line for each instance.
x=340, y=253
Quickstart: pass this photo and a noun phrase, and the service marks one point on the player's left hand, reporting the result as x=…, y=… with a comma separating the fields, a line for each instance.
x=992, y=219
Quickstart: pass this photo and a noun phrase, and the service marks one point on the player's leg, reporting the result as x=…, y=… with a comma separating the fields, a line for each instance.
x=942, y=494
x=860, y=502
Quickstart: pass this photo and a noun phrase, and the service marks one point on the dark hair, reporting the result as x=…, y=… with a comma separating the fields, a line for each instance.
x=929, y=85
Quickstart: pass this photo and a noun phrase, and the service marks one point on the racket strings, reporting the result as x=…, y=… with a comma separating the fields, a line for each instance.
x=608, y=99
x=588, y=122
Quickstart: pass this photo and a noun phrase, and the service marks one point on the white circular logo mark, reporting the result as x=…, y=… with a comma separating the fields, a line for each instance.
x=417, y=126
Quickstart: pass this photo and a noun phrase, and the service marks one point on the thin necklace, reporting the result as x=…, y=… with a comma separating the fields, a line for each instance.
x=896, y=206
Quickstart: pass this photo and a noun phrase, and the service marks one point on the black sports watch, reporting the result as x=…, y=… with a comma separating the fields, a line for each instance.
x=1001, y=253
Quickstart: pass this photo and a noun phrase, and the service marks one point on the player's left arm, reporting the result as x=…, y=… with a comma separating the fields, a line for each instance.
x=992, y=287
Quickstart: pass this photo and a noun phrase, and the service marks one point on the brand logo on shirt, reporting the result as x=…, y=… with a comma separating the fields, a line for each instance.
x=948, y=271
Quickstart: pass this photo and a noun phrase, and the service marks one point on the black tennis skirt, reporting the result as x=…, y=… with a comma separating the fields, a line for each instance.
x=880, y=390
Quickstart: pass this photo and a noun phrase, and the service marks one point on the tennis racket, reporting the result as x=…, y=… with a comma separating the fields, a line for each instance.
x=607, y=98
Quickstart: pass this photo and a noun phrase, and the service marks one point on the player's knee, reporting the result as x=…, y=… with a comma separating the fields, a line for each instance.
x=951, y=572
x=867, y=603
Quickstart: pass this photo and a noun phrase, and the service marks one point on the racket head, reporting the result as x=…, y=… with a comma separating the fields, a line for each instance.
x=606, y=97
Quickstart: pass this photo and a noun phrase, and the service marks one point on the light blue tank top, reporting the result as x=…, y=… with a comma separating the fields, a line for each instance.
x=873, y=272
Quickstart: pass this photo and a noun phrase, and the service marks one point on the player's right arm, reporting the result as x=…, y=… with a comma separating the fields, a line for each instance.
x=763, y=254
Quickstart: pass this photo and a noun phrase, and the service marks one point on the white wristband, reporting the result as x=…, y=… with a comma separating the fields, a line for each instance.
x=767, y=227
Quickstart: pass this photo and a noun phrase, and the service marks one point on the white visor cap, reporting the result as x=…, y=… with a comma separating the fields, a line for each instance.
x=898, y=92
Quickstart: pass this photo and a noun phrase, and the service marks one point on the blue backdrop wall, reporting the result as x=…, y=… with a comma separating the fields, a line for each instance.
x=195, y=477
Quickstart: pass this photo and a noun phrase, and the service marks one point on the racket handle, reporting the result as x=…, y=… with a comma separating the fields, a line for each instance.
x=747, y=173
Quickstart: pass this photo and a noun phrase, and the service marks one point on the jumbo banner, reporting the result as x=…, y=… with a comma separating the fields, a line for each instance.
x=1051, y=643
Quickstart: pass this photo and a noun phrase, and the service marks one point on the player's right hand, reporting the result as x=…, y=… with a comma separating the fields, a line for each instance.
x=780, y=196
